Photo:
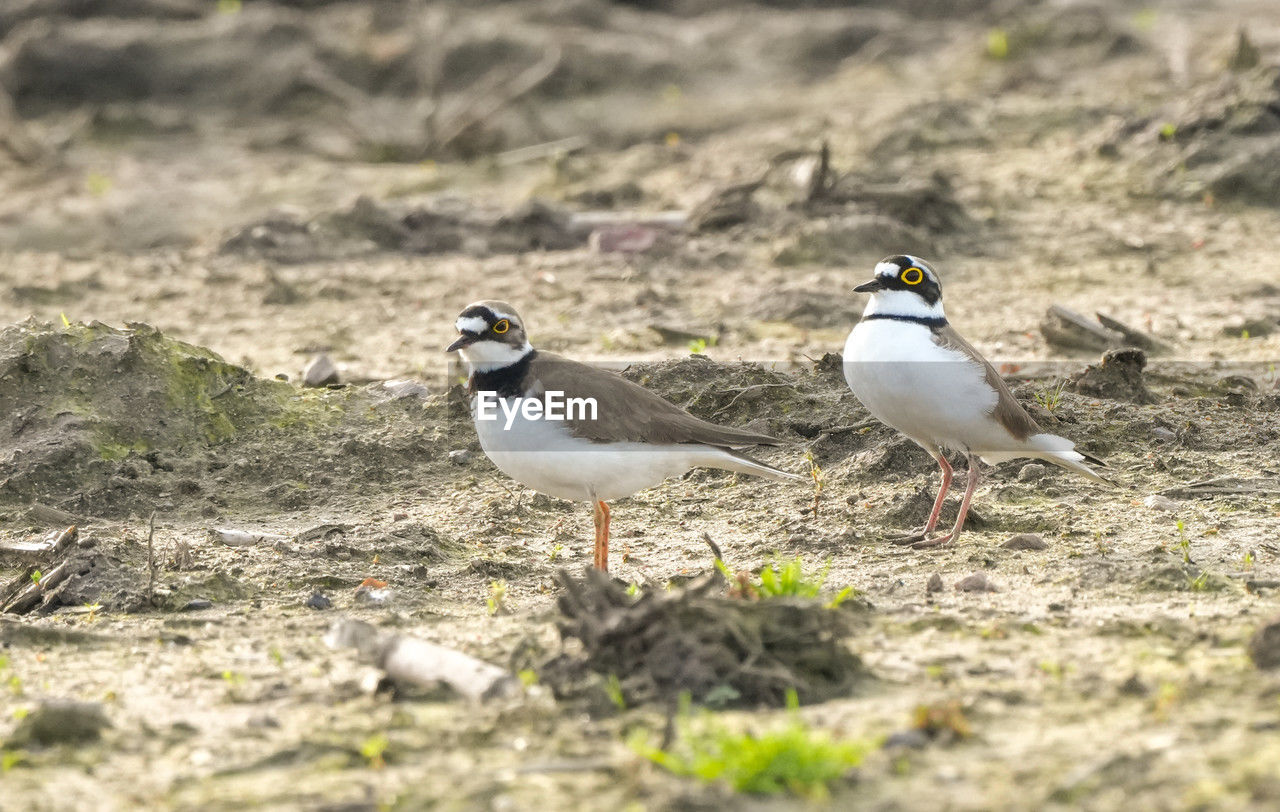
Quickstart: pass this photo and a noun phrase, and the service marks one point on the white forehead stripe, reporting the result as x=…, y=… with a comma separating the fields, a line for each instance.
x=886, y=269
x=471, y=324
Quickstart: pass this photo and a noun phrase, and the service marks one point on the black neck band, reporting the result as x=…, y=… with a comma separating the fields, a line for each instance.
x=507, y=382
x=927, y=321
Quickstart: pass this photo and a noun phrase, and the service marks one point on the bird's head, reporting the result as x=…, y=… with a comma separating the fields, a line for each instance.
x=904, y=285
x=490, y=335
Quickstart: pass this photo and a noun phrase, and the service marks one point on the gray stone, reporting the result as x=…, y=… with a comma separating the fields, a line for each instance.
x=1026, y=541
x=320, y=371
x=1031, y=472
x=977, y=582
x=61, y=721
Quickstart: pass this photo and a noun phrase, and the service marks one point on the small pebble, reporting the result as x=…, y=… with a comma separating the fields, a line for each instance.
x=196, y=604
x=61, y=721
x=622, y=239
x=1264, y=646
x=399, y=516
x=978, y=582
x=1157, y=502
x=934, y=585
x=320, y=371
x=1032, y=472
x=460, y=456
x=406, y=389
x=319, y=600
x=370, y=596
x=1026, y=541
x=907, y=739
x=1161, y=433
x=1134, y=686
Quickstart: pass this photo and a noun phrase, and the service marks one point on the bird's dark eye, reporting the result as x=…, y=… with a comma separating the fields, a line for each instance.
x=912, y=276
x=501, y=327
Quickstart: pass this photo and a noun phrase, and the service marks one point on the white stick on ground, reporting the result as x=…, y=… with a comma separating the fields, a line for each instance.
x=417, y=662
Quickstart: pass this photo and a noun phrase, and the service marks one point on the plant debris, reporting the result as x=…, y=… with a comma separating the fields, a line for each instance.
x=692, y=639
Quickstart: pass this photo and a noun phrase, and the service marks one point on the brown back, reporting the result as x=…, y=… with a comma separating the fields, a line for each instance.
x=1008, y=412
x=627, y=411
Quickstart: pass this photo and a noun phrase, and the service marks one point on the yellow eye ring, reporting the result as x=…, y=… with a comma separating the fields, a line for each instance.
x=501, y=327
x=913, y=276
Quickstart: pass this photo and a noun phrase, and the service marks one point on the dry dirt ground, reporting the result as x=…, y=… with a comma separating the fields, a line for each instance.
x=272, y=180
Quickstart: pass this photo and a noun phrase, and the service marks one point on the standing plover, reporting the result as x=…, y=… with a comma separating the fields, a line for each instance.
x=913, y=371
x=577, y=432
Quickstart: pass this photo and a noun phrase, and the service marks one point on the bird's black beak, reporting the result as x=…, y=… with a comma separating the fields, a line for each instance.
x=464, y=340
x=870, y=287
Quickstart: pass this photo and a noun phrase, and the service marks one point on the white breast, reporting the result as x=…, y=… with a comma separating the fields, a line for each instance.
x=936, y=396
x=543, y=455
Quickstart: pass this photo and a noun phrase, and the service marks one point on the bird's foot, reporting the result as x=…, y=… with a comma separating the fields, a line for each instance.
x=940, y=541
x=910, y=538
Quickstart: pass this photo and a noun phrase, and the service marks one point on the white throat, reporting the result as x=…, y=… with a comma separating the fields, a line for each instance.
x=903, y=303
x=486, y=356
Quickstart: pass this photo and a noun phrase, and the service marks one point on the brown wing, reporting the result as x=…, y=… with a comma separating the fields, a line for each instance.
x=1008, y=412
x=628, y=412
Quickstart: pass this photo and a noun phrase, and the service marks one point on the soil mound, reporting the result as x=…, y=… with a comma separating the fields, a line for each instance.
x=720, y=650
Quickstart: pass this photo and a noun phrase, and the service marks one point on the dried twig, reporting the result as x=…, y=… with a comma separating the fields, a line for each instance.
x=497, y=90
x=151, y=560
x=820, y=180
x=715, y=548
x=1064, y=327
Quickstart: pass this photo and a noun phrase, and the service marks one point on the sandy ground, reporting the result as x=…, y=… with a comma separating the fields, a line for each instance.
x=1089, y=159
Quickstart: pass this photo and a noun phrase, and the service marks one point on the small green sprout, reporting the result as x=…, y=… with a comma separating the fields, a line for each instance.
x=815, y=473
x=613, y=687
x=783, y=579
x=497, y=597
x=527, y=676
x=998, y=43
x=1051, y=397
x=556, y=549
x=36, y=576
x=793, y=758
x=10, y=759
x=1184, y=543
x=373, y=749
x=698, y=345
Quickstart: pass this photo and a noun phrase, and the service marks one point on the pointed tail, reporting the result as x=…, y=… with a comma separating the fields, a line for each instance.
x=1061, y=451
x=741, y=463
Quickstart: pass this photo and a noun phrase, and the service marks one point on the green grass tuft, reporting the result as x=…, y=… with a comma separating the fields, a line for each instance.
x=793, y=758
x=783, y=579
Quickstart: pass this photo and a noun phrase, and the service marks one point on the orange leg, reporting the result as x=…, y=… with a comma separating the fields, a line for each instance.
x=964, y=511
x=912, y=538
x=602, y=536
x=942, y=494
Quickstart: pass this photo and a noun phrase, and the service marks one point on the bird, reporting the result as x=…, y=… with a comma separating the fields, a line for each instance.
x=620, y=439
x=913, y=371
